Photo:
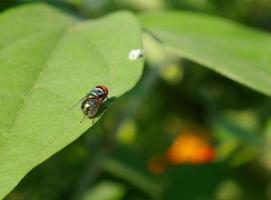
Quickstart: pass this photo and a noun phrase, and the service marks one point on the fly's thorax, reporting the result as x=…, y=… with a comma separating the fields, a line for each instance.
x=98, y=92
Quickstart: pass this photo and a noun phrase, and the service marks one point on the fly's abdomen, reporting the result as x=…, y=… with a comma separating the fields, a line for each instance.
x=90, y=107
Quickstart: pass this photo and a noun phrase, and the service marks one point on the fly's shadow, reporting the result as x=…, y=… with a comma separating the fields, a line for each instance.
x=105, y=105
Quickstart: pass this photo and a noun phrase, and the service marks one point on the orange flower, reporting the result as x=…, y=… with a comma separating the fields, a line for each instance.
x=190, y=148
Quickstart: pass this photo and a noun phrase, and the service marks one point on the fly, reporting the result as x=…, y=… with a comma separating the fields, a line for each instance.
x=93, y=100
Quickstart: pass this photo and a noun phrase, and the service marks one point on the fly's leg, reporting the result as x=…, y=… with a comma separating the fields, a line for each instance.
x=93, y=119
x=105, y=100
x=83, y=119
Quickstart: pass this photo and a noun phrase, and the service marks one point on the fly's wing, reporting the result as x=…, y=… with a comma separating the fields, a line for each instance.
x=74, y=105
x=94, y=105
x=82, y=100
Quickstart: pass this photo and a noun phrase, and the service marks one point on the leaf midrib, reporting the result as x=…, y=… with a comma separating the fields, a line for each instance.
x=19, y=39
x=42, y=68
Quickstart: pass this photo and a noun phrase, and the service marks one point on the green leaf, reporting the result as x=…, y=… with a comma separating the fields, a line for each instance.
x=48, y=61
x=231, y=49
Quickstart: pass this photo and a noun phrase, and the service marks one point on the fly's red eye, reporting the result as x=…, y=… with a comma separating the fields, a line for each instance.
x=103, y=88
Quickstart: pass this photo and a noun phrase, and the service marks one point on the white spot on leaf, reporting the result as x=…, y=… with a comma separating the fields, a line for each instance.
x=135, y=54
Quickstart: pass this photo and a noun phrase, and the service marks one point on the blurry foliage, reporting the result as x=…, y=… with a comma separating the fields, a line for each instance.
x=126, y=157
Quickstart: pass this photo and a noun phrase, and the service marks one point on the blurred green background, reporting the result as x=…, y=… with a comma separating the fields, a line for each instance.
x=183, y=132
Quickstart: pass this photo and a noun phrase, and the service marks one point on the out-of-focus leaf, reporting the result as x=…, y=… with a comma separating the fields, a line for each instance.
x=132, y=176
x=194, y=181
x=236, y=142
x=105, y=191
x=233, y=50
x=48, y=61
x=226, y=128
x=229, y=189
